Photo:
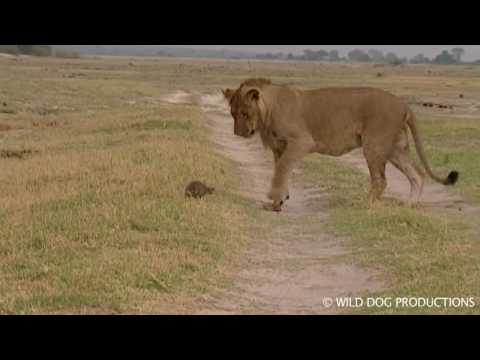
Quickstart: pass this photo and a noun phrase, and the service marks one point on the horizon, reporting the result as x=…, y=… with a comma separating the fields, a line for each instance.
x=472, y=52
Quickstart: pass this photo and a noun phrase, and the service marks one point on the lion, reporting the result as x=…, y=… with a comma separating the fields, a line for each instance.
x=293, y=123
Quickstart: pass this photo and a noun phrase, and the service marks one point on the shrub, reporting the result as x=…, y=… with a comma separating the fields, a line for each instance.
x=9, y=49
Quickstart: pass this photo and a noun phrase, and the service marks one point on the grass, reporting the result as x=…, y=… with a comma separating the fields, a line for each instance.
x=421, y=252
x=93, y=218
x=455, y=144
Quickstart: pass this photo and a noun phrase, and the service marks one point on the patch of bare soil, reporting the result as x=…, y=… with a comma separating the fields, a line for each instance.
x=434, y=196
x=5, y=127
x=297, y=265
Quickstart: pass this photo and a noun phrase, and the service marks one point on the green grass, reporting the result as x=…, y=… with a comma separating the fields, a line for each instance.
x=420, y=252
x=96, y=220
x=454, y=144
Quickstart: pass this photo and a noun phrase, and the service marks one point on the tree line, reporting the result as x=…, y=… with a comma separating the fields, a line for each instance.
x=36, y=50
x=453, y=56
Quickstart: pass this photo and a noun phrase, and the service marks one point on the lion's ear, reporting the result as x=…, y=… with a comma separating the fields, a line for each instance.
x=265, y=112
x=253, y=94
x=228, y=93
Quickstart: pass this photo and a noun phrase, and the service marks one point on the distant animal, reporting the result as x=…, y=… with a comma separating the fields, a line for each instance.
x=332, y=121
x=197, y=190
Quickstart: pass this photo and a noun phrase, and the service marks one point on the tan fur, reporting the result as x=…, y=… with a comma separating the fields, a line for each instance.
x=331, y=121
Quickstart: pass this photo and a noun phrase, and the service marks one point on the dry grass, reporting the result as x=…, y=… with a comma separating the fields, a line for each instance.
x=420, y=252
x=93, y=218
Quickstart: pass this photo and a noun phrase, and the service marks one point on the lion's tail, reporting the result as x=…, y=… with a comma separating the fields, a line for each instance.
x=452, y=178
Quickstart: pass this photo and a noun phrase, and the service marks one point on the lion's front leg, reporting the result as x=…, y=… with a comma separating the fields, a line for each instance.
x=277, y=154
x=283, y=167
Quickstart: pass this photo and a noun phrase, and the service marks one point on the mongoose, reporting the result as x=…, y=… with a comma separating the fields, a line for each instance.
x=196, y=189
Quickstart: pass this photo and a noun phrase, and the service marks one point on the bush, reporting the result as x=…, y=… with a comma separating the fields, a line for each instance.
x=35, y=50
x=25, y=49
x=41, y=50
x=9, y=49
x=59, y=53
x=358, y=55
x=445, y=58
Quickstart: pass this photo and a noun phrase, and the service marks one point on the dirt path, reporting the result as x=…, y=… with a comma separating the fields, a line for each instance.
x=434, y=196
x=297, y=265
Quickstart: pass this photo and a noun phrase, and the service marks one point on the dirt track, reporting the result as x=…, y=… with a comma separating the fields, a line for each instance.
x=434, y=196
x=299, y=266
x=296, y=267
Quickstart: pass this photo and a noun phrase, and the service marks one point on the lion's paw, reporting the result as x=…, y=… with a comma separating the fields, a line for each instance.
x=278, y=195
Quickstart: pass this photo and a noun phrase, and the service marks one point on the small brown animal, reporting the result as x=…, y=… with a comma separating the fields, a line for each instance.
x=197, y=190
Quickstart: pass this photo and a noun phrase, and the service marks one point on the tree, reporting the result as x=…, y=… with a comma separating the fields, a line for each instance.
x=290, y=56
x=376, y=55
x=37, y=50
x=9, y=49
x=322, y=54
x=60, y=53
x=270, y=56
x=312, y=55
x=392, y=59
x=25, y=49
x=458, y=53
x=444, y=58
x=358, y=55
x=419, y=59
x=42, y=50
x=333, y=55
x=309, y=54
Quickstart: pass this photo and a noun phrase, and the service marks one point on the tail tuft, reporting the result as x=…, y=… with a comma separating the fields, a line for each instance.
x=452, y=178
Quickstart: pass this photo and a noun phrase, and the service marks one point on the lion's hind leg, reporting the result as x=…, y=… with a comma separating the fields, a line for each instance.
x=378, y=181
x=402, y=161
x=376, y=165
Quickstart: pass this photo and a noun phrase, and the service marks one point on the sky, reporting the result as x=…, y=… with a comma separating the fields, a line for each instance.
x=472, y=52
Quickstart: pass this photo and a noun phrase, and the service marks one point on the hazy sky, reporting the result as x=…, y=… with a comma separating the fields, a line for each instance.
x=472, y=52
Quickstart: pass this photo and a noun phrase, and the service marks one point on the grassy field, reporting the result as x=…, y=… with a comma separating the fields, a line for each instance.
x=422, y=253
x=93, y=218
x=455, y=143
x=425, y=253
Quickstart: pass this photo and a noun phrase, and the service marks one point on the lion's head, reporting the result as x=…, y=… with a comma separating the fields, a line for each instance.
x=247, y=107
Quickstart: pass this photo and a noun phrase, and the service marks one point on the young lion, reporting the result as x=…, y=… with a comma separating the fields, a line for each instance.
x=332, y=121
